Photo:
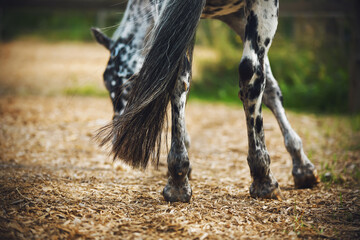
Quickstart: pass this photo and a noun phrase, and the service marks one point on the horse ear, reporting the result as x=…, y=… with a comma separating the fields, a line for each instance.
x=102, y=39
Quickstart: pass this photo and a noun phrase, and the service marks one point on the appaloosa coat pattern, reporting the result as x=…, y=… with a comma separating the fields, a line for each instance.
x=150, y=66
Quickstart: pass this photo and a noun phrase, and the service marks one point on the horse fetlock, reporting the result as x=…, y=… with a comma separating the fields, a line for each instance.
x=178, y=165
x=266, y=187
x=259, y=163
x=177, y=191
x=305, y=176
x=188, y=174
x=264, y=184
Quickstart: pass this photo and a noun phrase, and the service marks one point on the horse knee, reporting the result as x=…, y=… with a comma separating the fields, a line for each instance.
x=251, y=79
x=246, y=70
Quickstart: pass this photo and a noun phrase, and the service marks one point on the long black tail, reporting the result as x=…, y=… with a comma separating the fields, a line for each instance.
x=137, y=133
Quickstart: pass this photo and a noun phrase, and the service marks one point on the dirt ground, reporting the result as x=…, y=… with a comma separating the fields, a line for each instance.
x=56, y=183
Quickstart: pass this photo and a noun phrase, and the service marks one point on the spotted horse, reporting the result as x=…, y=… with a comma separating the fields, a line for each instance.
x=150, y=66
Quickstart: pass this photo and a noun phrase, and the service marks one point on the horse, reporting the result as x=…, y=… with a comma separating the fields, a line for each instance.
x=150, y=66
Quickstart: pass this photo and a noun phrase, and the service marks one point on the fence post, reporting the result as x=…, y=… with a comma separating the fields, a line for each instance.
x=1, y=23
x=354, y=69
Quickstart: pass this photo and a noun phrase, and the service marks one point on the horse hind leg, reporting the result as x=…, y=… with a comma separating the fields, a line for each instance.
x=178, y=188
x=304, y=172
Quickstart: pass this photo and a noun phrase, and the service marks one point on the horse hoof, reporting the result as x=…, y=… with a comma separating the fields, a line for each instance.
x=177, y=192
x=305, y=176
x=266, y=189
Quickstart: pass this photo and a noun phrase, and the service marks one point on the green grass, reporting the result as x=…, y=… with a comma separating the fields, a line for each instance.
x=341, y=165
x=355, y=122
x=86, y=90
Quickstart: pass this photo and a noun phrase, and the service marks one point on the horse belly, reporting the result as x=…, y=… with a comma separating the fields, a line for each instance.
x=217, y=8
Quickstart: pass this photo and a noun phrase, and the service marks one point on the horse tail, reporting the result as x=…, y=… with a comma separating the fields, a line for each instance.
x=136, y=134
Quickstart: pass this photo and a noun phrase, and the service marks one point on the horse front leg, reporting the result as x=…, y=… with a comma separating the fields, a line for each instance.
x=178, y=188
x=259, y=32
x=304, y=172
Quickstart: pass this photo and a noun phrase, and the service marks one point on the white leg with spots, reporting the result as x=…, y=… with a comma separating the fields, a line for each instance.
x=304, y=172
x=259, y=31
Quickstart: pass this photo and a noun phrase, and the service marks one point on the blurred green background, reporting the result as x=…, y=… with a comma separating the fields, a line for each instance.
x=309, y=55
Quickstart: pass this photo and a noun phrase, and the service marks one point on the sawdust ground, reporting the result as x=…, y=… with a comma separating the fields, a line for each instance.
x=56, y=183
